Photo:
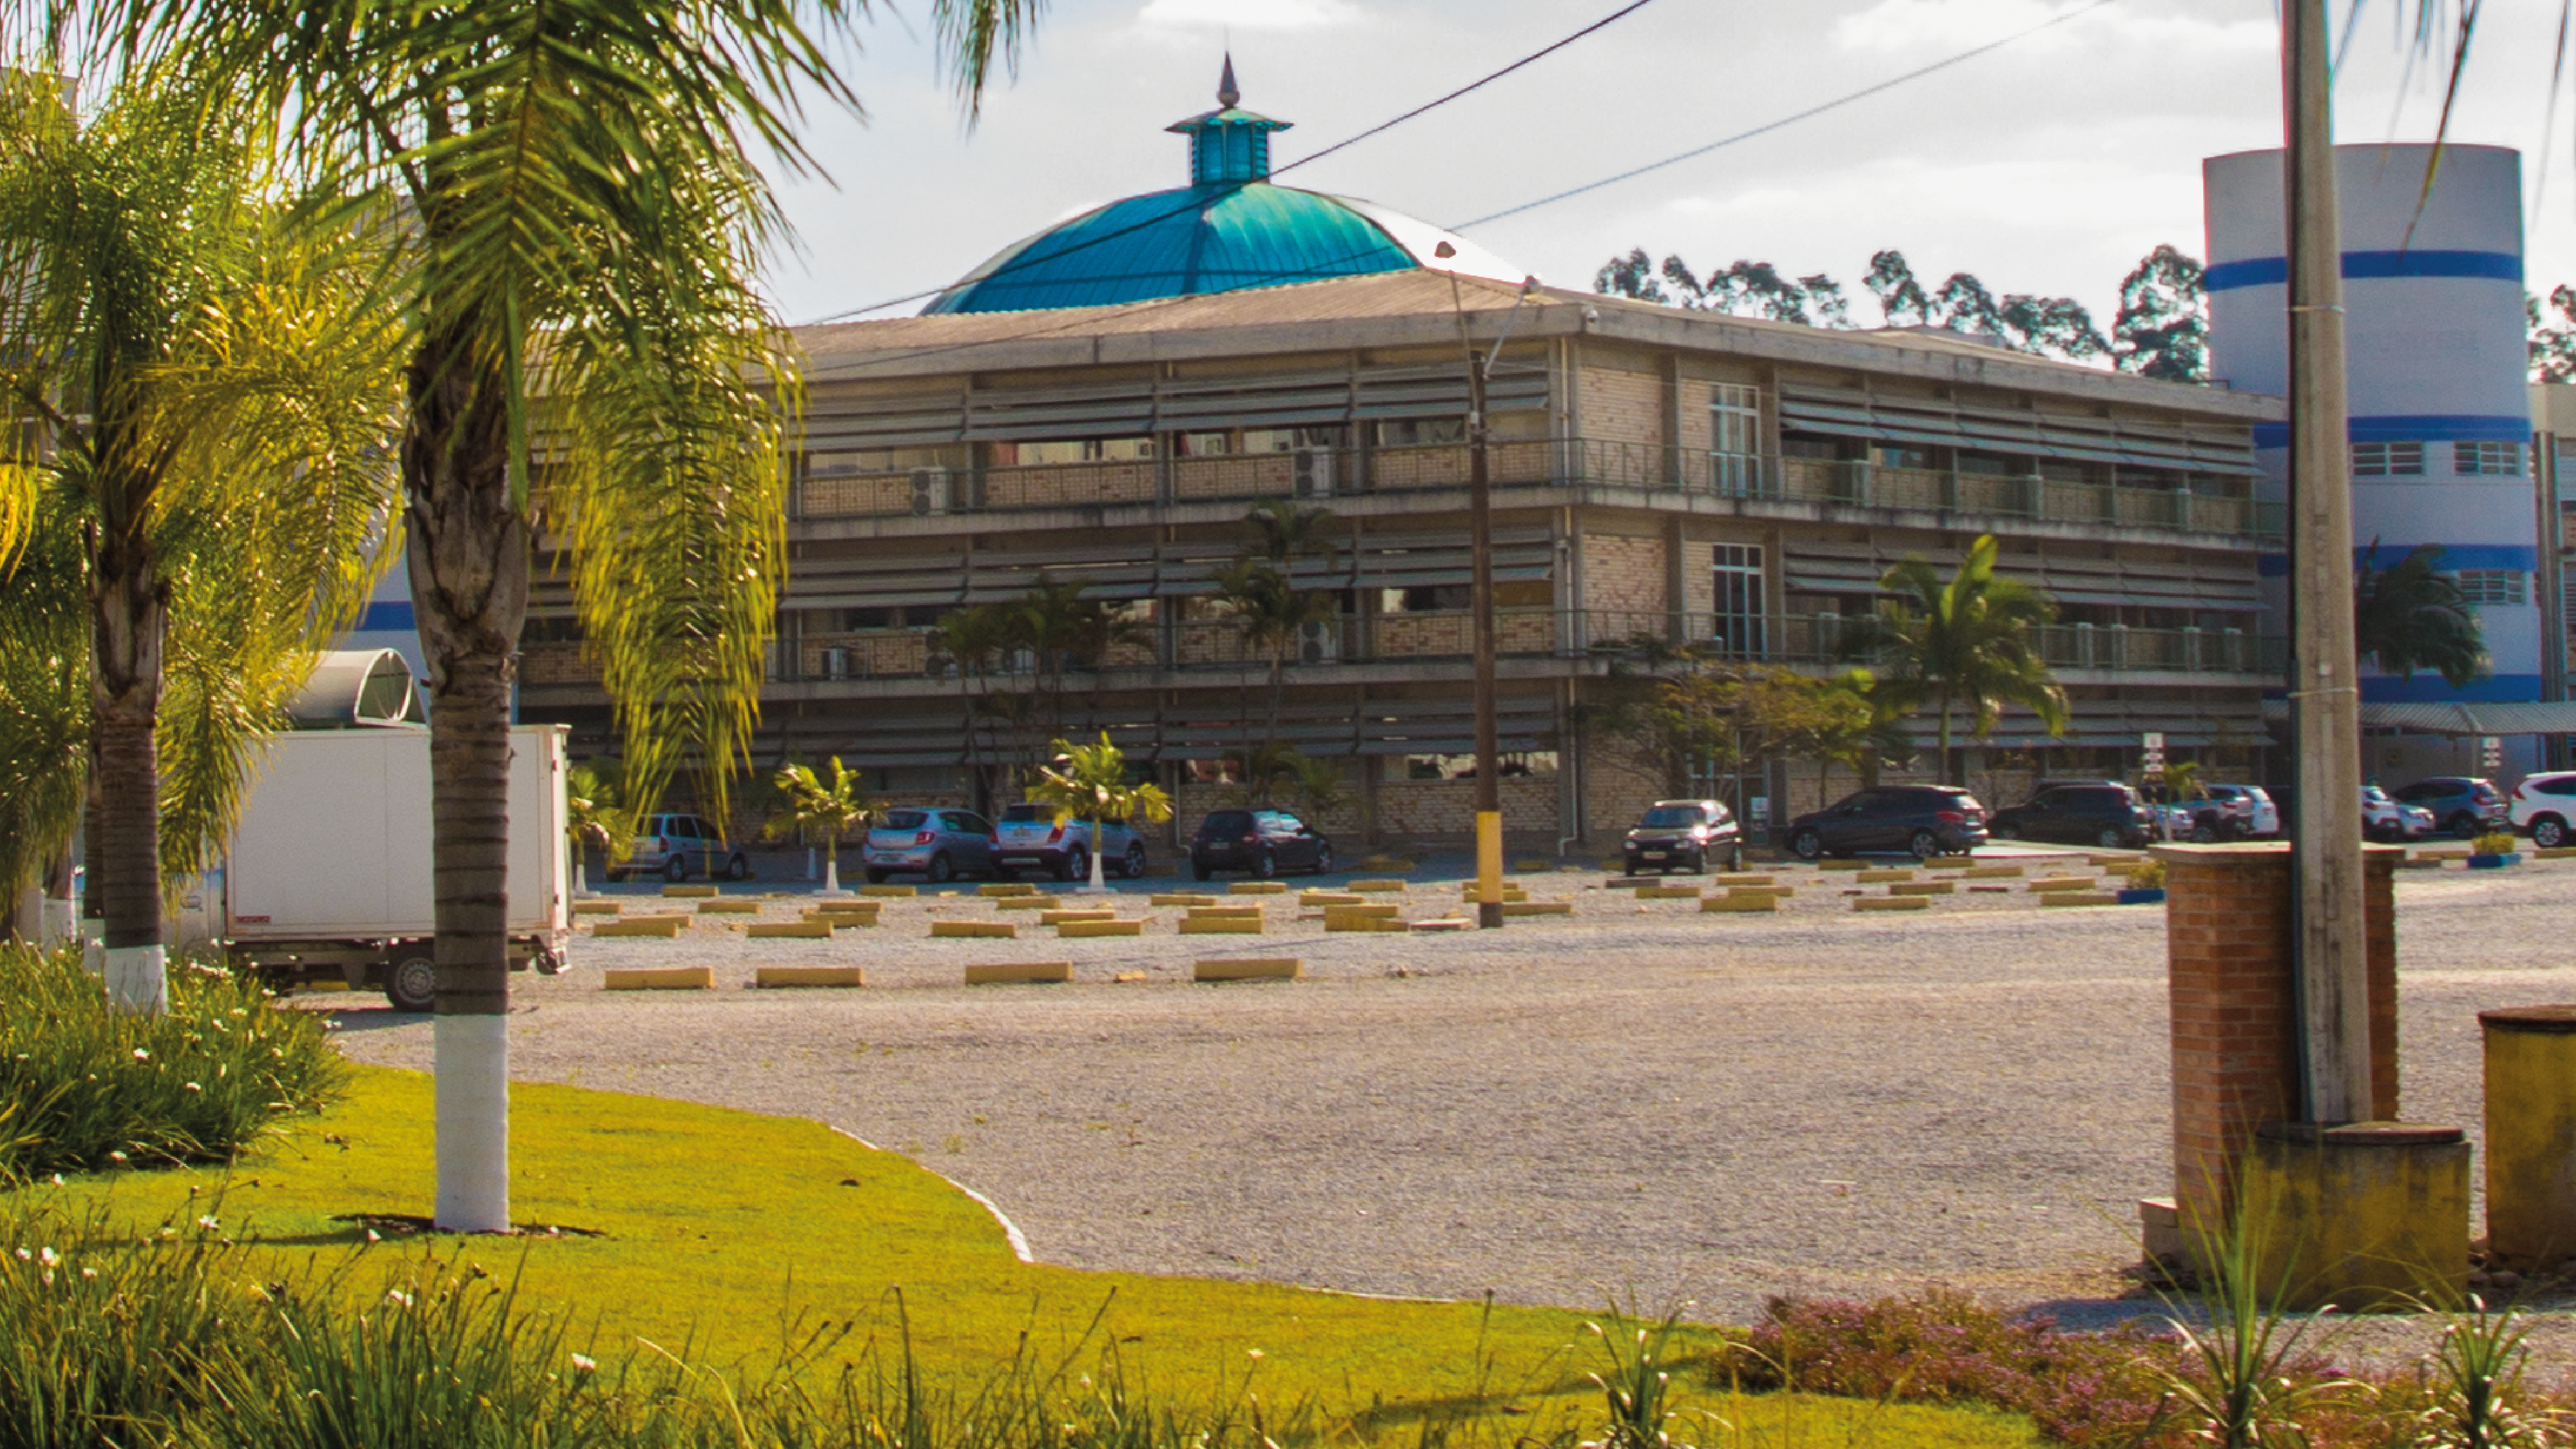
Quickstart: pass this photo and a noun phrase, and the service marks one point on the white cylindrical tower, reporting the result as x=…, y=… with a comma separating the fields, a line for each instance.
x=2441, y=420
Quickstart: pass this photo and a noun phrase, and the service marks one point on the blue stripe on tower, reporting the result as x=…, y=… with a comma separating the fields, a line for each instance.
x=2357, y=266
x=385, y=618
x=2425, y=687
x=2416, y=428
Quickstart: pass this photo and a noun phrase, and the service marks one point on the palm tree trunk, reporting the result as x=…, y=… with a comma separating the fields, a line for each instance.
x=1948, y=775
x=1099, y=872
x=832, y=866
x=129, y=612
x=467, y=548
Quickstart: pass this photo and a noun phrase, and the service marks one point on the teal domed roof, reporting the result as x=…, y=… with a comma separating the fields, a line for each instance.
x=1229, y=229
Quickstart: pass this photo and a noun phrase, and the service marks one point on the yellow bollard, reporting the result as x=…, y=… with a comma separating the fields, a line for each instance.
x=2531, y=1136
x=2368, y=1217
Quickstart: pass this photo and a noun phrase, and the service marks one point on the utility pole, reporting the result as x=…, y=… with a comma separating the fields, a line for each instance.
x=2327, y=934
x=1480, y=600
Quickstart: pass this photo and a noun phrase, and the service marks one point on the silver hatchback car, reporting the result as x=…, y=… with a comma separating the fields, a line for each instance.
x=940, y=843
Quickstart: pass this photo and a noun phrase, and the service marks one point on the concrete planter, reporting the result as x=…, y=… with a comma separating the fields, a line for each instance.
x=2495, y=862
x=2143, y=896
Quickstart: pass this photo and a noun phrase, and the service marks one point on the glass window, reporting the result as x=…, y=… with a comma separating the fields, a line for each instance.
x=1204, y=445
x=1734, y=436
x=1289, y=440
x=855, y=619
x=1420, y=432
x=1737, y=628
x=2493, y=586
x=2487, y=460
x=873, y=460
x=1888, y=457
x=2388, y=460
x=905, y=819
x=1077, y=450
x=1423, y=599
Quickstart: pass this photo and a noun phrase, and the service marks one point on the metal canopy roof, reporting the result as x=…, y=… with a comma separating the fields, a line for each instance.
x=2493, y=718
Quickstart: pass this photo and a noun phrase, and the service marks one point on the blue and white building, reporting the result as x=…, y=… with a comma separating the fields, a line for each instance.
x=2441, y=418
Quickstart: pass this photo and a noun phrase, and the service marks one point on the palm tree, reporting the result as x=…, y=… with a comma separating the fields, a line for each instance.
x=974, y=639
x=2410, y=616
x=583, y=220
x=1964, y=641
x=595, y=821
x=1089, y=783
x=810, y=808
x=1271, y=615
x=207, y=383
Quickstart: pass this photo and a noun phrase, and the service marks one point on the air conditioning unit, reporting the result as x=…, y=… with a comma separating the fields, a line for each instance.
x=929, y=492
x=1314, y=472
x=1319, y=643
x=836, y=664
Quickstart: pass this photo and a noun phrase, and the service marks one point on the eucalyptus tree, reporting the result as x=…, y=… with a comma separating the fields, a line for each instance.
x=1966, y=641
x=584, y=217
x=198, y=380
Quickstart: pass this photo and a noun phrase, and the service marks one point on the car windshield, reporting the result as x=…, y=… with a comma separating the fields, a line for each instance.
x=1027, y=814
x=1668, y=816
x=2374, y=794
x=905, y=819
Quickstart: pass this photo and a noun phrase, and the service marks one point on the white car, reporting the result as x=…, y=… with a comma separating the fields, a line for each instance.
x=2390, y=823
x=2249, y=809
x=2544, y=807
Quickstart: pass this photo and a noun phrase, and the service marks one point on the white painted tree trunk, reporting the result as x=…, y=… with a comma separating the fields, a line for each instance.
x=137, y=978
x=472, y=1054
x=60, y=919
x=1099, y=870
x=580, y=873
x=832, y=876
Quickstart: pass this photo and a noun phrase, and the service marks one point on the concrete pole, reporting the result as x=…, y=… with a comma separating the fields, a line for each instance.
x=1480, y=598
x=2332, y=972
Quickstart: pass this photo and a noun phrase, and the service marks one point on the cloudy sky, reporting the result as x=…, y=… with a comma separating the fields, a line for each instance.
x=2049, y=166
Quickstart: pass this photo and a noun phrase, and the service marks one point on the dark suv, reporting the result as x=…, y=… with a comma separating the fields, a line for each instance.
x=2098, y=812
x=1264, y=842
x=1924, y=820
x=2467, y=808
x=1683, y=834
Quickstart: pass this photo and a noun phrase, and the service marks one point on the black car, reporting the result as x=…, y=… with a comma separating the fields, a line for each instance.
x=1684, y=835
x=1925, y=820
x=2098, y=812
x=1264, y=842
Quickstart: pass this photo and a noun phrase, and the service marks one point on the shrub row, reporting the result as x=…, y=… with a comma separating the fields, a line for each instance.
x=85, y=1087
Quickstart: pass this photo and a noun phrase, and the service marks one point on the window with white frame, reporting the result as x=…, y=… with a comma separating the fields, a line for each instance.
x=2493, y=586
x=1737, y=631
x=1734, y=436
x=2487, y=460
x=2388, y=460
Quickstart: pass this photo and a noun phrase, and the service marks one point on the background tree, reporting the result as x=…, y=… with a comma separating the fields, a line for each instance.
x=584, y=222
x=1089, y=783
x=1965, y=641
x=808, y=808
x=2162, y=330
x=595, y=821
x=2411, y=616
x=1793, y=716
x=975, y=640
x=1271, y=615
x=2058, y=327
x=1744, y=289
x=206, y=381
x=2553, y=341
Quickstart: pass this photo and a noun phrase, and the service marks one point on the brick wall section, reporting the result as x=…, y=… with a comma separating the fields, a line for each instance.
x=1622, y=407
x=1625, y=573
x=2235, y=1009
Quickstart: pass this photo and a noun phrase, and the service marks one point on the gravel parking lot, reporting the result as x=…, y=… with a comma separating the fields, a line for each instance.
x=1638, y=1099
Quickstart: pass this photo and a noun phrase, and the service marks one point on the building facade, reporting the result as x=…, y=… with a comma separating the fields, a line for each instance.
x=1100, y=405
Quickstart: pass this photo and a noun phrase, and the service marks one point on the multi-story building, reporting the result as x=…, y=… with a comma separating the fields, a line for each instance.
x=1102, y=403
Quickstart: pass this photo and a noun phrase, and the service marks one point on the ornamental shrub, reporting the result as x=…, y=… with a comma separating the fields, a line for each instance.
x=84, y=1086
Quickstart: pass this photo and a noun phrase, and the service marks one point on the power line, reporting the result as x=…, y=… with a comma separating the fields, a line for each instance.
x=1621, y=13
x=1789, y=120
x=1195, y=202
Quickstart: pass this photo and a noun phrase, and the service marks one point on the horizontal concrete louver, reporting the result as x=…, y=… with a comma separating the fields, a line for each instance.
x=1939, y=422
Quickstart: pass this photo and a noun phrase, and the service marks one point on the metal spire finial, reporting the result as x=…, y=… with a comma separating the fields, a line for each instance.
x=1226, y=92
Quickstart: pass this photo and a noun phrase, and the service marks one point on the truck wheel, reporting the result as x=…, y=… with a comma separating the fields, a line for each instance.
x=411, y=984
x=676, y=869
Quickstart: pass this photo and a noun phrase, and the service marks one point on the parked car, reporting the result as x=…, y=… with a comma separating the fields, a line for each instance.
x=1925, y=820
x=2544, y=807
x=2460, y=805
x=2096, y=812
x=940, y=844
x=1683, y=834
x=2249, y=808
x=675, y=845
x=1030, y=837
x=1264, y=842
x=2386, y=821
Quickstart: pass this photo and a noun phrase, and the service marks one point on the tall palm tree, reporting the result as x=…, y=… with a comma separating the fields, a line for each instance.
x=974, y=639
x=205, y=378
x=2410, y=616
x=584, y=218
x=1271, y=615
x=1962, y=642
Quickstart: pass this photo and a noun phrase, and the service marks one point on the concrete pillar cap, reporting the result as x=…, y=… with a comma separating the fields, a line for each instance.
x=2360, y=1134
x=2539, y=1020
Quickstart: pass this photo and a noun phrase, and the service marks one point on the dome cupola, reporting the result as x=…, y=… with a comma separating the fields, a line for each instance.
x=1228, y=146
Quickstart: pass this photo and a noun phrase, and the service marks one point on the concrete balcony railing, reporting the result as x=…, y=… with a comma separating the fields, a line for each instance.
x=1218, y=645
x=1326, y=473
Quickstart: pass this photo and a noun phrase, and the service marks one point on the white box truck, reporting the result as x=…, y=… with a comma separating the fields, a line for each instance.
x=329, y=878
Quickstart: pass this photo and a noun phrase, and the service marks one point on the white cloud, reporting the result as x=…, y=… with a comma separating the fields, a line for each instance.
x=1929, y=29
x=1247, y=14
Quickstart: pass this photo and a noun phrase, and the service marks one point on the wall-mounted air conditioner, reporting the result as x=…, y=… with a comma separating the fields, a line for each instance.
x=1320, y=642
x=929, y=492
x=1314, y=472
x=836, y=664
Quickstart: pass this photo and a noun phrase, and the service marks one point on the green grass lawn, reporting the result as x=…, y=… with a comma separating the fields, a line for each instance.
x=735, y=1235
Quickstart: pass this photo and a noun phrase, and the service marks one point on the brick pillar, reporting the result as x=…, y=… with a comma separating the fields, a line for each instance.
x=2236, y=1056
